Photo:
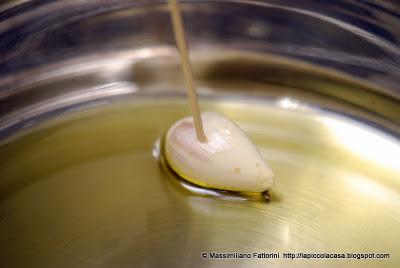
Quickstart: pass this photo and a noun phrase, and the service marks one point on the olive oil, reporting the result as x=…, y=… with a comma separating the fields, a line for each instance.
x=86, y=190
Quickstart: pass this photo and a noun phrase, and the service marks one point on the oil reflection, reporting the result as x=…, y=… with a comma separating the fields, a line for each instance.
x=288, y=103
x=365, y=142
x=371, y=189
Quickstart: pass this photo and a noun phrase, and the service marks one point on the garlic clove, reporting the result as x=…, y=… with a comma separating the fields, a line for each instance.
x=228, y=160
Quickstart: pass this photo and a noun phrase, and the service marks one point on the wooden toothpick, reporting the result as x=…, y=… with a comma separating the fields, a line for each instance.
x=187, y=68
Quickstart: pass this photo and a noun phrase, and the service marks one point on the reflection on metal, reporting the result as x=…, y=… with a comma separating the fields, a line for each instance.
x=363, y=143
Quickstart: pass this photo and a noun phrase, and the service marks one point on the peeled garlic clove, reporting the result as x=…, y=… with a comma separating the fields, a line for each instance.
x=228, y=160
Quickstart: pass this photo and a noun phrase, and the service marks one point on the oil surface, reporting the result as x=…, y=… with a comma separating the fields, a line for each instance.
x=86, y=190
